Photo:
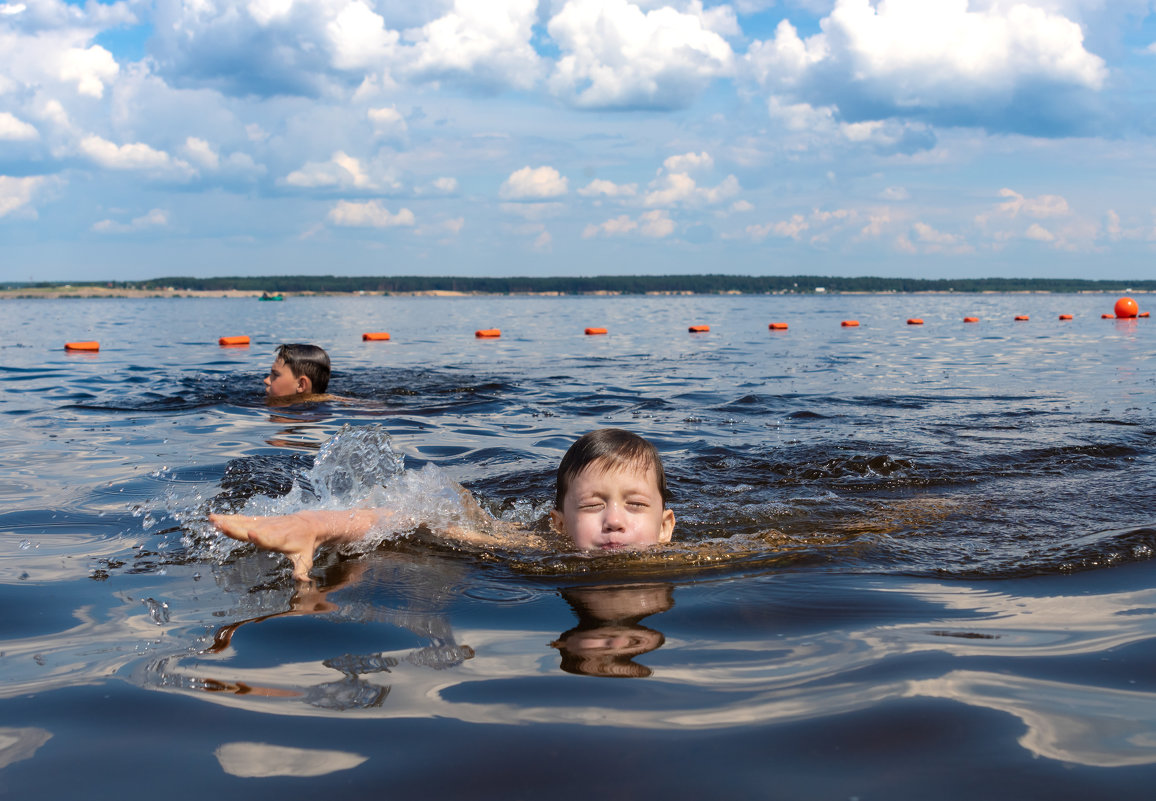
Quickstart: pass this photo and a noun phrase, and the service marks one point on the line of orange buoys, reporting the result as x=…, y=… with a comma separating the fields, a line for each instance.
x=1125, y=309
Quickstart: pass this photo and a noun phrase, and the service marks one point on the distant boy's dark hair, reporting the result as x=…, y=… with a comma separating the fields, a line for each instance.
x=613, y=448
x=307, y=360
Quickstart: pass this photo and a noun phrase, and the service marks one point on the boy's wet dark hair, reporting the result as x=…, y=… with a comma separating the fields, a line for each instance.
x=308, y=360
x=612, y=448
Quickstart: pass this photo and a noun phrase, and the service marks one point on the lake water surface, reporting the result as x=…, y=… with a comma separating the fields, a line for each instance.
x=913, y=561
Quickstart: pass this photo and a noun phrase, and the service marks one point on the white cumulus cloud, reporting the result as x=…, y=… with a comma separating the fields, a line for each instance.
x=533, y=183
x=479, y=42
x=342, y=171
x=948, y=60
x=671, y=189
x=387, y=121
x=655, y=224
x=156, y=218
x=602, y=188
x=357, y=36
x=370, y=214
x=202, y=153
x=617, y=226
x=16, y=193
x=14, y=129
x=133, y=156
x=615, y=55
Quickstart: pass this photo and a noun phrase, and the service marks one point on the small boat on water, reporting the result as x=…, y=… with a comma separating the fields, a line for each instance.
x=267, y=296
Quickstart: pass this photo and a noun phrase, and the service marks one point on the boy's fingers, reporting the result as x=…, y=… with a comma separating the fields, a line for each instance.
x=231, y=526
x=302, y=562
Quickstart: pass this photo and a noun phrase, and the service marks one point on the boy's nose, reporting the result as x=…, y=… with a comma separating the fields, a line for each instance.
x=613, y=519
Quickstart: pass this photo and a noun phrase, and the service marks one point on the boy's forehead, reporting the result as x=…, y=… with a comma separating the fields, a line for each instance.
x=640, y=468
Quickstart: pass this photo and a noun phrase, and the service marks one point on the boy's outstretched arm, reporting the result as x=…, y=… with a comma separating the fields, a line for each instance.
x=298, y=535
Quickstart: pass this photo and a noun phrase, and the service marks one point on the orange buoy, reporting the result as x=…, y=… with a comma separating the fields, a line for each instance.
x=1142, y=314
x=375, y=336
x=1065, y=316
x=1022, y=318
x=971, y=319
x=777, y=326
x=594, y=331
x=1126, y=307
x=914, y=321
x=88, y=346
x=488, y=333
x=1107, y=317
x=698, y=329
x=850, y=323
x=232, y=341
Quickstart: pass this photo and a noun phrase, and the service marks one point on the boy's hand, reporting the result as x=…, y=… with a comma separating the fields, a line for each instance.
x=293, y=535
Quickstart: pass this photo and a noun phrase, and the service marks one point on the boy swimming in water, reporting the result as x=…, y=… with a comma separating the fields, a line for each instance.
x=298, y=370
x=610, y=495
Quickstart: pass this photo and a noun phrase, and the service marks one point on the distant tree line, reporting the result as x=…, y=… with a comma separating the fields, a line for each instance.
x=621, y=284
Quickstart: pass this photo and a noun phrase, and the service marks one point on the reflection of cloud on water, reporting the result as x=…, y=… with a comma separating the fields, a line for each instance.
x=261, y=760
x=1067, y=722
x=42, y=556
x=19, y=744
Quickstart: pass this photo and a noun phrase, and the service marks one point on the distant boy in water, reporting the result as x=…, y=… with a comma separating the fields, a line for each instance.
x=298, y=370
x=610, y=495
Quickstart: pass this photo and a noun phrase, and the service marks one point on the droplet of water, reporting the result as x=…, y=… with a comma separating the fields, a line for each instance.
x=158, y=610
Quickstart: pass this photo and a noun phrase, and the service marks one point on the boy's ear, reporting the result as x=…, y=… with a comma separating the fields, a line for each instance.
x=667, y=530
x=557, y=522
x=304, y=385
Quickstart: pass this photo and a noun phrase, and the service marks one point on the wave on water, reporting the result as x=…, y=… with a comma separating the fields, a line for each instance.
x=737, y=509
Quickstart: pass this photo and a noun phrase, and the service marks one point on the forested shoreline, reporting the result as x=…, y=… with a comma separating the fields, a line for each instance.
x=607, y=284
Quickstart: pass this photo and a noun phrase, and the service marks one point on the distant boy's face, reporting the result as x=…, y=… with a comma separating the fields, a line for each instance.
x=618, y=508
x=281, y=380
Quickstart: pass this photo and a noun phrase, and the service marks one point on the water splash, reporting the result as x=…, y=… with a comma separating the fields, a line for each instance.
x=356, y=468
x=351, y=465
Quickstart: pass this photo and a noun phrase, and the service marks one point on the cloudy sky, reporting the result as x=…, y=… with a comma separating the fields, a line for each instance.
x=929, y=138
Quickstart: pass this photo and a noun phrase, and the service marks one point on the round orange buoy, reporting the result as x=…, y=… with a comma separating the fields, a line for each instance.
x=1065, y=316
x=1126, y=307
x=914, y=321
x=777, y=326
x=88, y=346
x=971, y=319
x=595, y=331
x=375, y=336
x=1107, y=317
x=228, y=341
x=850, y=323
x=698, y=329
x=488, y=333
x=1022, y=318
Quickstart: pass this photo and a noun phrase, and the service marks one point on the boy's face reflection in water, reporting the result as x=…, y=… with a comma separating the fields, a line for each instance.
x=608, y=636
